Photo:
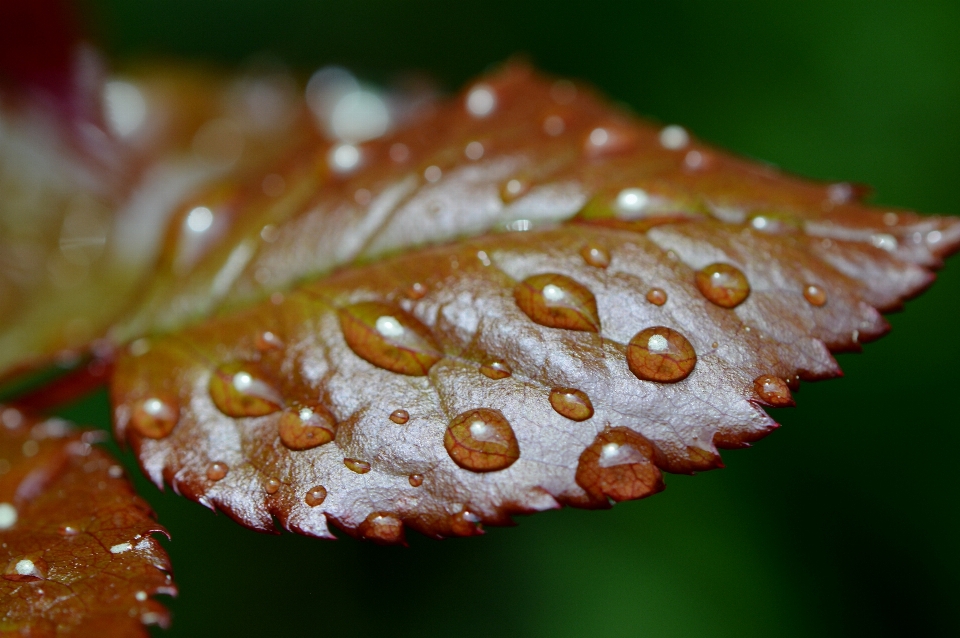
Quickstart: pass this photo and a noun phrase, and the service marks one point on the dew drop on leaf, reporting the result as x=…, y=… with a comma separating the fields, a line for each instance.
x=240, y=389
x=385, y=529
x=773, y=390
x=400, y=416
x=618, y=465
x=815, y=295
x=416, y=480
x=389, y=338
x=571, y=403
x=596, y=256
x=154, y=417
x=315, y=495
x=305, y=427
x=481, y=440
x=217, y=471
x=657, y=296
x=356, y=465
x=496, y=370
x=271, y=486
x=723, y=284
x=26, y=569
x=661, y=354
x=557, y=301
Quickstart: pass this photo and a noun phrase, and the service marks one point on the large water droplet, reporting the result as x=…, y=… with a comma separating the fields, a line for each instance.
x=496, y=370
x=618, y=465
x=596, y=256
x=26, y=569
x=557, y=301
x=382, y=528
x=400, y=416
x=356, y=465
x=217, y=471
x=661, y=354
x=723, y=284
x=307, y=426
x=657, y=296
x=815, y=295
x=773, y=390
x=388, y=337
x=481, y=440
x=571, y=403
x=154, y=417
x=315, y=496
x=240, y=389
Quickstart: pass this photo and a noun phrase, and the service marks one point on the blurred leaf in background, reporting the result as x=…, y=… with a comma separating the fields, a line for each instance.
x=844, y=522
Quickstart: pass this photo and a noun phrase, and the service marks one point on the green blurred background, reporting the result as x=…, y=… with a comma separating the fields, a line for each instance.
x=844, y=522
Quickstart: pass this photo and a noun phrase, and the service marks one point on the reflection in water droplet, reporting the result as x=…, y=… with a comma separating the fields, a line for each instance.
x=596, y=256
x=356, y=465
x=305, y=427
x=400, y=416
x=416, y=480
x=496, y=370
x=481, y=440
x=26, y=570
x=773, y=390
x=271, y=486
x=481, y=100
x=815, y=295
x=389, y=337
x=154, y=418
x=618, y=465
x=217, y=471
x=557, y=301
x=240, y=389
x=571, y=403
x=382, y=528
x=315, y=495
x=660, y=354
x=657, y=296
x=723, y=284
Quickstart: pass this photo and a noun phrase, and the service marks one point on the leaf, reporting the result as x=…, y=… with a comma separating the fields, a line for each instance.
x=662, y=292
x=77, y=554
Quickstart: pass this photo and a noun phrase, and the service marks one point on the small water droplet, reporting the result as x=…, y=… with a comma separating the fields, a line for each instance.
x=217, y=471
x=154, y=417
x=344, y=158
x=465, y=523
x=496, y=370
x=481, y=101
x=416, y=291
x=26, y=570
x=609, y=139
x=723, y=284
x=694, y=160
x=773, y=390
x=8, y=516
x=631, y=202
x=513, y=189
x=618, y=465
x=400, y=416
x=267, y=341
x=596, y=256
x=389, y=337
x=382, y=528
x=657, y=296
x=674, y=137
x=240, y=389
x=660, y=354
x=432, y=174
x=557, y=301
x=571, y=403
x=481, y=440
x=315, y=495
x=474, y=150
x=891, y=219
x=815, y=295
x=553, y=125
x=306, y=426
x=356, y=465
x=416, y=480
x=271, y=486
x=399, y=152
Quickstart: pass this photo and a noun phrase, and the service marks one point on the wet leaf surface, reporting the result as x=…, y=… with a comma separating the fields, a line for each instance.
x=77, y=551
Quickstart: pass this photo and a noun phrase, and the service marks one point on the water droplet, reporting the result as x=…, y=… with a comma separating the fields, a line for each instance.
x=141, y=596
x=571, y=403
x=306, y=426
x=240, y=389
x=553, y=125
x=356, y=465
x=631, y=201
x=416, y=480
x=465, y=523
x=481, y=100
x=481, y=440
x=513, y=189
x=557, y=301
x=660, y=354
x=8, y=516
x=154, y=417
x=315, y=495
x=388, y=337
x=399, y=152
x=400, y=416
x=886, y=242
x=199, y=219
x=657, y=296
x=609, y=139
x=674, y=137
x=618, y=465
x=815, y=295
x=26, y=570
x=773, y=390
x=382, y=528
x=267, y=341
x=723, y=284
x=596, y=256
x=416, y=291
x=271, y=486
x=217, y=471
x=496, y=370
x=432, y=174
x=891, y=219
x=474, y=150
x=344, y=158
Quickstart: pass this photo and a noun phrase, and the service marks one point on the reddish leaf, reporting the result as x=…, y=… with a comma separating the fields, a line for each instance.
x=77, y=554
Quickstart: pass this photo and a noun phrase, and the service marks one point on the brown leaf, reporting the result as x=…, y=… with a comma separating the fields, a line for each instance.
x=77, y=554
